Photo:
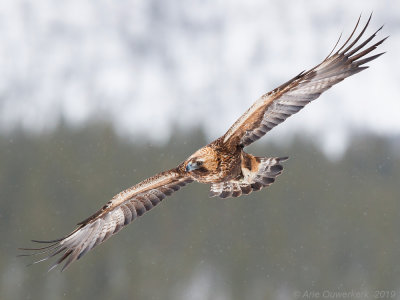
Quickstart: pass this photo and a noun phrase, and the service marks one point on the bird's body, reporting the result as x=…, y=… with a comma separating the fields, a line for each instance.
x=222, y=163
x=218, y=162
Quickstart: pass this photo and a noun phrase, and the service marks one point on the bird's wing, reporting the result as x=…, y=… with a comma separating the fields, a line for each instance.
x=274, y=107
x=112, y=217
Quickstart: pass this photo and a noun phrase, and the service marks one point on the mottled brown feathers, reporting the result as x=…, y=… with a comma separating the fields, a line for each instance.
x=222, y=163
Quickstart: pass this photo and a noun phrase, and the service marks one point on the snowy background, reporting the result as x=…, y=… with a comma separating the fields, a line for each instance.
x=149, y=66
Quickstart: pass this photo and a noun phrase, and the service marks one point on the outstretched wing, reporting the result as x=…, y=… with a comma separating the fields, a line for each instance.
x=112, y=217
x=276, y=106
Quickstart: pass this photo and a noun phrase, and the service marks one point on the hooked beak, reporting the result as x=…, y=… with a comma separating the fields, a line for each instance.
x=191, y=166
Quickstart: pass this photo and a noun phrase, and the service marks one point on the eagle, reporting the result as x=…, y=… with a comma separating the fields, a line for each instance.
x=223, y=163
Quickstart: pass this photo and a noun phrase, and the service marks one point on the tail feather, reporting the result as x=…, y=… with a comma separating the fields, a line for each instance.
x=261, y=174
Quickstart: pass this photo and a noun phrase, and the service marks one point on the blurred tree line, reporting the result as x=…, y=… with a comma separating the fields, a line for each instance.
x=323, y=225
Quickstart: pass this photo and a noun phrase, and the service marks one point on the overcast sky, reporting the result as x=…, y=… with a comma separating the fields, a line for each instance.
x=149, y=65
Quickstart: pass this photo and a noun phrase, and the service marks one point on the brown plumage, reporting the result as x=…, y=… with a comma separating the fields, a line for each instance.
x=222, y=163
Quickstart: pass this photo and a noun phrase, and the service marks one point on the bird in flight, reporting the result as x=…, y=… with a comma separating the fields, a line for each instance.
x=222, y=163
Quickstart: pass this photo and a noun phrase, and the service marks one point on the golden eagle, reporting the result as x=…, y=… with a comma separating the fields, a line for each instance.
x=222, y=163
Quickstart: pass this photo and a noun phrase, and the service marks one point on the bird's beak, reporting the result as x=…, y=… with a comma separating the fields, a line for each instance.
x=191, y=166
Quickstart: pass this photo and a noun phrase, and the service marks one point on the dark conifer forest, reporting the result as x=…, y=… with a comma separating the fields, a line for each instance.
x=324, y=225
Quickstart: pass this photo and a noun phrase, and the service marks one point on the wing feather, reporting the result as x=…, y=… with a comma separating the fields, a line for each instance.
x=276, y=106
x=112, y=217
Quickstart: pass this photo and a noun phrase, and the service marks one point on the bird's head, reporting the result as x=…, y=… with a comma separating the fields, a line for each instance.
x=201, y=162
